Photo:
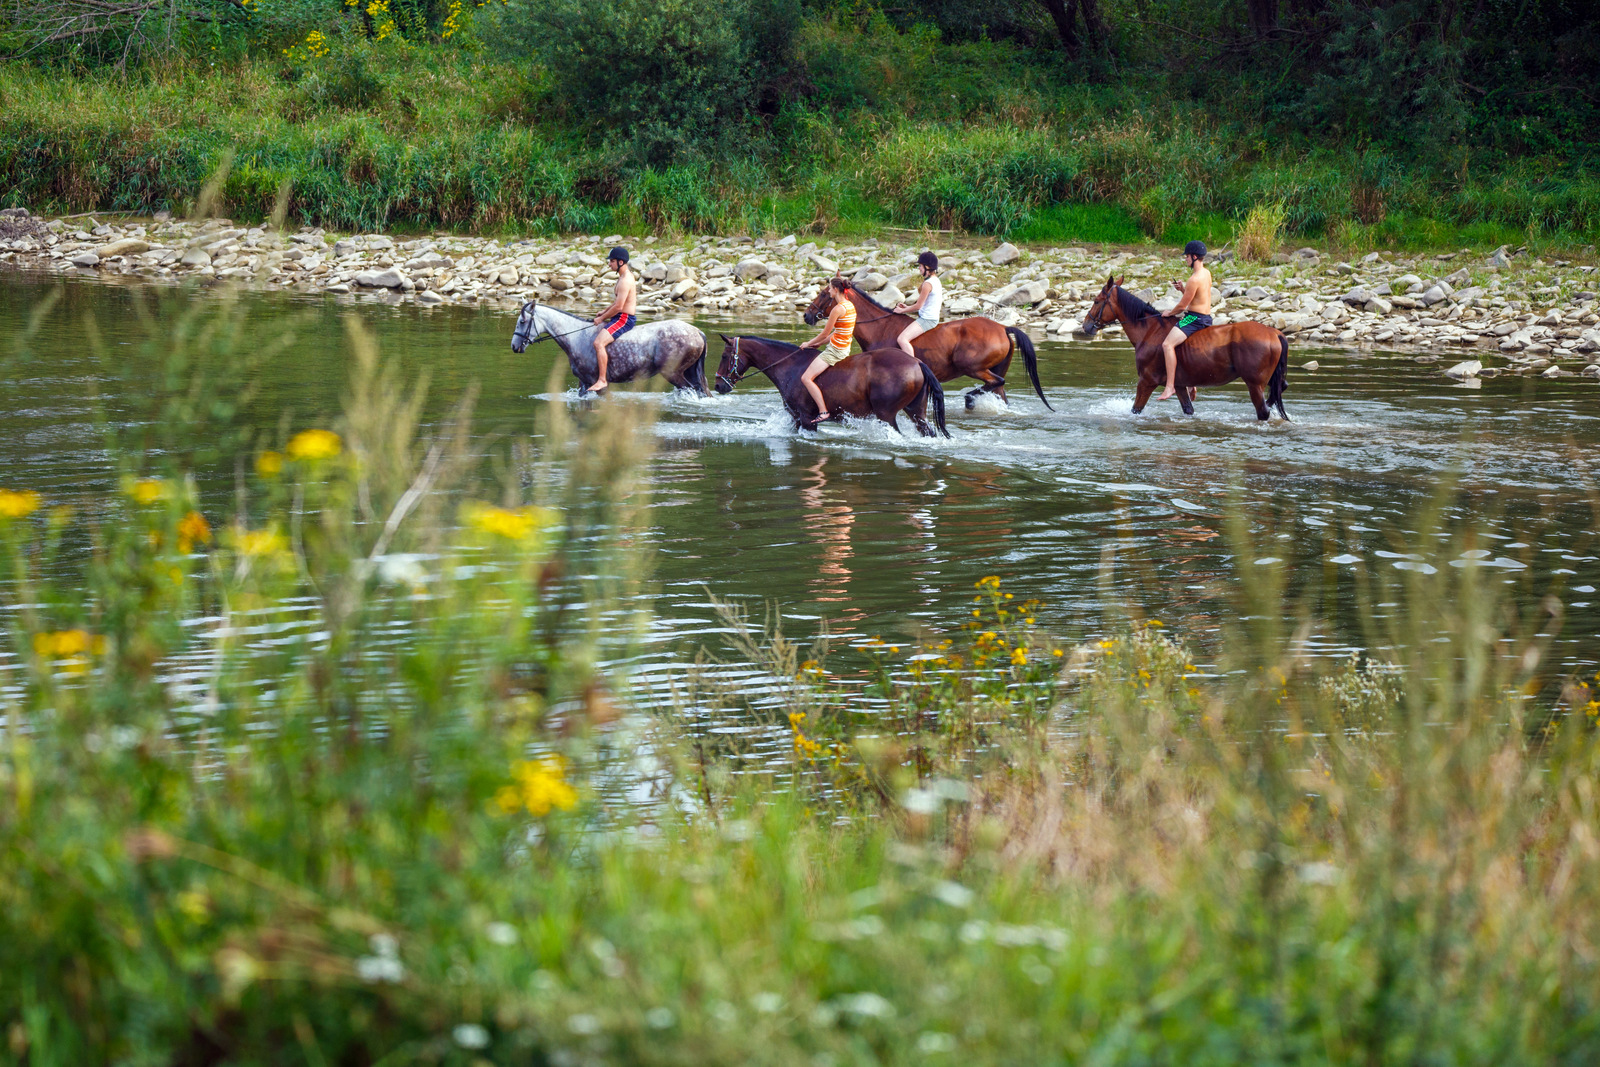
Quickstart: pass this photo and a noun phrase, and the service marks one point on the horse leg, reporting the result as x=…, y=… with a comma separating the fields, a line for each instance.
x=1141, y=395
x=1258, y=398
x=1186, y=398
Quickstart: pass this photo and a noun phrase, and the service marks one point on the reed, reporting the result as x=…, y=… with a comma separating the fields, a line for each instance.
x=1258, y=238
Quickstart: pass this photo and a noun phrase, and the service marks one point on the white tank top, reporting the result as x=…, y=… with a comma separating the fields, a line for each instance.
x=931, y=307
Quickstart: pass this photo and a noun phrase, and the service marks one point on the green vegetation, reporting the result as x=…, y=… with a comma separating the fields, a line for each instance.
x=279, y=834
x=641, y=114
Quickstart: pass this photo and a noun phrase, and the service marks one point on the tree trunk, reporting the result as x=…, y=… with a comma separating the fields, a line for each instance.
x=1064, y=13
x=1263, y=16
x=1093, y=27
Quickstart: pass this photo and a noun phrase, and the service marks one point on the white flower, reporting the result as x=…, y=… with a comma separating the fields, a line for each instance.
x=953, y=894
x=471, y=1035
x=501, y=933
x=866, y=1005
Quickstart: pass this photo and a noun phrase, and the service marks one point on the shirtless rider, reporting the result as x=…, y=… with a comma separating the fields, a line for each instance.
x=619, y=318
x=1193, y=310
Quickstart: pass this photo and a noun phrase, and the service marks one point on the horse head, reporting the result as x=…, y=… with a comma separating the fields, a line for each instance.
x=732, y=366
x=527, y=330
x=1104, y=310
x=822, y=306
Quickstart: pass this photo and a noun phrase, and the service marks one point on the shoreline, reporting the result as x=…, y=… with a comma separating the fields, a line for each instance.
x=1529, y=315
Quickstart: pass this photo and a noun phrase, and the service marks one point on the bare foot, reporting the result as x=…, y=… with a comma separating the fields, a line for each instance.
x=597, y=386
x=1167, y=395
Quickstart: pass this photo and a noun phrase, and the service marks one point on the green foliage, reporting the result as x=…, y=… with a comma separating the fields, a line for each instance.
x=662, y=80
x=988, y=180
x=1086, y=223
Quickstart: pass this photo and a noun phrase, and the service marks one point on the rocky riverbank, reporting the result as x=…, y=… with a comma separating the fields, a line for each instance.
x=1523, y=314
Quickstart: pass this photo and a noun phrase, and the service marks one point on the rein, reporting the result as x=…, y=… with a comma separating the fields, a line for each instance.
x=739, y=375
x=532, y=339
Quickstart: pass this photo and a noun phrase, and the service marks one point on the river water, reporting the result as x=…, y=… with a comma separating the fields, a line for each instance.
x=1096, y=512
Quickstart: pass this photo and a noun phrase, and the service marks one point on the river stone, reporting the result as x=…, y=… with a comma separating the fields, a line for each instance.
x=870, y=281
x=1459, y=278
x=429, y=297
x=1465, y=369
x=1358, y=295
x=962, y=305
x=822, y=263
x=655, y=272
x=1433, y=296
x=785, y=242
x=1497, y=259
x=889, y=296
x=1310, y=364
x=508, y=275
x=1006, y=253
x=380, y=279
x=1022, y=293
x=1551, y=372
x=749, y=269
x=428, y=260
x=85, y=259
x=1256, y=292
x=684, y=289
x=1379, y=306
x=677, y=272
x=777, y=276
x=128, y=246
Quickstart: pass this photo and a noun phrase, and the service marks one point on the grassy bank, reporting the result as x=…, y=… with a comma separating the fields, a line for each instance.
x=899, y=130
x=280, y=834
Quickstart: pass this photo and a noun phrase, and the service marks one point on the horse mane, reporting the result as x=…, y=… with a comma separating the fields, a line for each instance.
x=1134, y=307
x=864, y=295
x=771, y=341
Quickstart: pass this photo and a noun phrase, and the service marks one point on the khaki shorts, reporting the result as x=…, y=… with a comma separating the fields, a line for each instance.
x=831, y=355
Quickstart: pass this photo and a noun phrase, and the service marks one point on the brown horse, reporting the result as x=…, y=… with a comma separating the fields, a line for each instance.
x=976, y=347
x=882, y=382
x=1213, y=356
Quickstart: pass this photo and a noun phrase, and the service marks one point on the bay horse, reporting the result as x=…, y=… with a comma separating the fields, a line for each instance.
x=1213, y=356
x=673, y=349
x=976, y=347
x=881, y=382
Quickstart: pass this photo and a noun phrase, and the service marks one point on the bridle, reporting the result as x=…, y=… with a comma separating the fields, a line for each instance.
x=531, y=337
x=1093, y=323
x=738, y=375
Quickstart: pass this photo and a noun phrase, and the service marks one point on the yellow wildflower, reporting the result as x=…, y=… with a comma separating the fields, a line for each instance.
x=147, y=491
x=259, y=542
x=193, y=528
x=314, y=444
x=16, y=505
x=269, y=464
x=513, y=524
x=1019, y=657
x=537, y=786
x=62, y=644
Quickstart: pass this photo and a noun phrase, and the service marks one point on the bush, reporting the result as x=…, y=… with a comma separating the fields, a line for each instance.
x=667, y=80
x=1258, y=237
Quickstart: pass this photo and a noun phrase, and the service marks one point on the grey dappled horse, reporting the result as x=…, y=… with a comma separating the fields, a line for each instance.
x=673, y=349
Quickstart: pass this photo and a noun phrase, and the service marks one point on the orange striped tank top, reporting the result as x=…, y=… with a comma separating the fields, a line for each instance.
x=844, y=331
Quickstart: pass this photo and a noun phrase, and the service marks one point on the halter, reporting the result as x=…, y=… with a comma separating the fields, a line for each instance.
x=1094, y=325
x=527, y=309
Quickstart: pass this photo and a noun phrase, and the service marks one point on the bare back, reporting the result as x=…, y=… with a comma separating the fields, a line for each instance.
x=1197, y=291
x=627, y=293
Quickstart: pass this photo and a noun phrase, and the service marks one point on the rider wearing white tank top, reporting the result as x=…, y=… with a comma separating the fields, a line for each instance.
x=927, y=306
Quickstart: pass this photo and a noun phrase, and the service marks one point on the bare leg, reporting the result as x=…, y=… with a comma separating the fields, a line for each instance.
x=809, y=380
x=1169, y=352
x=602, y=341
x=907, y=335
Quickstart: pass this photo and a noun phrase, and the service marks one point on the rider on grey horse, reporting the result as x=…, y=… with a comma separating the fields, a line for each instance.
x=672, y=348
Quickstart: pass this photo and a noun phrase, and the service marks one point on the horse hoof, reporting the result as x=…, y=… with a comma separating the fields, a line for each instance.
x=971, y=402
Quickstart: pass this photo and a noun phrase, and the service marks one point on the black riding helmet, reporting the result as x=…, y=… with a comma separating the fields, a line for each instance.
x=618, y=253
x=929, y=260
x=1196, y=249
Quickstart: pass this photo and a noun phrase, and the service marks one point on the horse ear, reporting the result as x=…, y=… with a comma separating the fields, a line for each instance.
x=1119, y=280
x=724, y=338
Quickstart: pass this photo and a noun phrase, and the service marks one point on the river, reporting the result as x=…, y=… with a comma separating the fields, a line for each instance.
x=1097, y=513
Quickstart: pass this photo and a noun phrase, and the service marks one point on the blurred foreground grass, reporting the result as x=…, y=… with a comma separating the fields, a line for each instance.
x=336, y=845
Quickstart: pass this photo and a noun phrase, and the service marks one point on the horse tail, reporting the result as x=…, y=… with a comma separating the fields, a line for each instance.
x=1029, y=360
x=932, y=388
x=1280, y=377
x=697, y=370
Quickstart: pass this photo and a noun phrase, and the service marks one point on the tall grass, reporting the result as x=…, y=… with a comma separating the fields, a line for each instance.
x=1258, y=238
x=326, y=773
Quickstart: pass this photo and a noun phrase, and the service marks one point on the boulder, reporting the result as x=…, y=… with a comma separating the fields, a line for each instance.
x=1406, y=281
x=1256, y=292
x=1358, y=295
x=805, y=250
x=550, y=259
x=346, y=247
x=428, y=261
x=777, y=276
x=962, y=305
x=1551, y=372
x=1465, y=369
x=1379, y=306
x=380, y=279
x=870, y=281
x=1019, y=294
x=196, y=257
x=889, y=296
x=822, y=263
x=128, y=246
x=908, y=281
x=747, y=270
x=785, y=242
x=85, y=259
x=677, y=272
x=1006, y=253
x=684, y=289
x=508, y=275
x=654, y=272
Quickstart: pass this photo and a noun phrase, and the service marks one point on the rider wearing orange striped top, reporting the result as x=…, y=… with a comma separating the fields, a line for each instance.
x=833, y=342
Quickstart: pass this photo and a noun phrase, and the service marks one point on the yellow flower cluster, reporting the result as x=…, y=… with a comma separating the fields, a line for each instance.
x=64, y=644
x=315, y=46
x=514, y=524
x=192, y=530
x=314, y=445
x=537, y=786
x=803, y=745
x=269, y=464
x=18, y=504
x=259, y=542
